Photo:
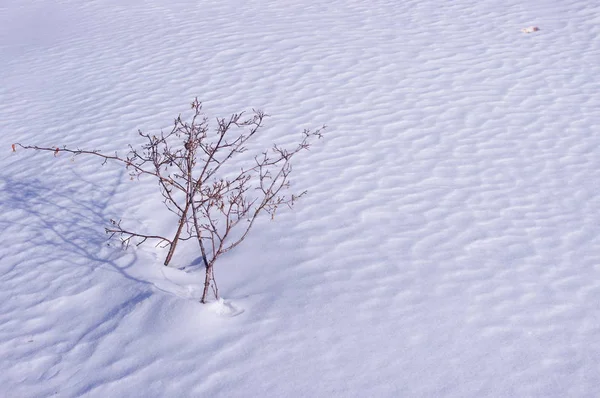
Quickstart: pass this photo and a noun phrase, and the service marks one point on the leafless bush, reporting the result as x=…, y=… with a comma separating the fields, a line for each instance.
x=215, y=208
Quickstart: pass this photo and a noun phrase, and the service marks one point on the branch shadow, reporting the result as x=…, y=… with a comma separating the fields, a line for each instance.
x=67, y=221
x=61, y=228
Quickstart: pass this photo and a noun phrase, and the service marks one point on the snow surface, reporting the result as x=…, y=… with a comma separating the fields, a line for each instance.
x=449, y=245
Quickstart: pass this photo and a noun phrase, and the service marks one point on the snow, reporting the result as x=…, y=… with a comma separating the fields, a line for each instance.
x=449, y=244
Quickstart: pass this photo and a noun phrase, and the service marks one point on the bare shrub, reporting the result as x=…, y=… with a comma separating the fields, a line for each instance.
x=215, y=208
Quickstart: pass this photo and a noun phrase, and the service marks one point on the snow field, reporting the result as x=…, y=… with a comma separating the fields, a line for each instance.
x=448, y=245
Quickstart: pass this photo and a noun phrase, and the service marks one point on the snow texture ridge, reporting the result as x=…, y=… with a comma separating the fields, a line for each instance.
x=449, y=244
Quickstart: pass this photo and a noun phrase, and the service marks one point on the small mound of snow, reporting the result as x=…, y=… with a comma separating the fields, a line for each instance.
x=224, y=308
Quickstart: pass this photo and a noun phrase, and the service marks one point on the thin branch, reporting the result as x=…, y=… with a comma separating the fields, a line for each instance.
x=126, y=236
